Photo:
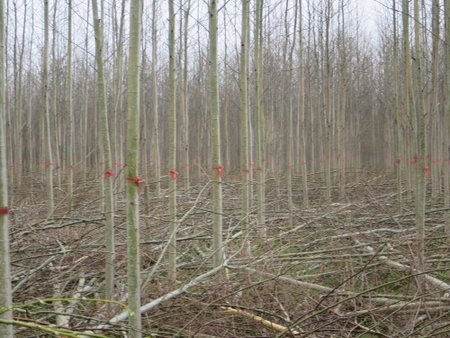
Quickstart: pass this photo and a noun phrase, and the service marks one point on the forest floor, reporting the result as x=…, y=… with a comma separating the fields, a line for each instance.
x=342, y=270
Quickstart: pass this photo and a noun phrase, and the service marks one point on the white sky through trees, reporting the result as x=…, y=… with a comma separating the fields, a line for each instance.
x=364, y=14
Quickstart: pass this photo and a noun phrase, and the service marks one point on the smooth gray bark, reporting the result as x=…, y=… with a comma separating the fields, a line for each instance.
x=172, y=252
x=218, y=251
x=133, y=259
x=105, y=146
x=5, y=273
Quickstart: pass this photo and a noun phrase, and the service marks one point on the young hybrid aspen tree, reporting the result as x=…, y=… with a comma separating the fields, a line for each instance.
x=421, y=143
x=301, y=126
x=184, y=104
x=342, y=103
x=259, y=119
x=172, y=252
x=244, y=148
x=291, y=117
x=46, y=112
x=133, y=259
x=327, y=99
x=106, y=151
x=218, y=251
x=156, y=152
x=408, y=94
x=398, y=120
x=6, y=331
x=29, y=143
x=18, y=137
x=84, y=120
x=433, y=124
x=447, y=108
x=56, y=130
x=69, y=96
x=118, y=82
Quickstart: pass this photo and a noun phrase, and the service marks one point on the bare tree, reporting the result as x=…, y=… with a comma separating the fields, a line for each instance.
x=133, y=252
x=244, y=148
x=217, y=167
x=259, y=117
x=46, y=112
x=5, y=273
x=69, y=97
x=108, y=174
x=172, y=253
x=301, y=122
x=433, y=106
x=155, y=147
x=447, y=113
x=422, y=167
x=327, y=98
x=184, y=104
x=398, y=116
x=408, y=86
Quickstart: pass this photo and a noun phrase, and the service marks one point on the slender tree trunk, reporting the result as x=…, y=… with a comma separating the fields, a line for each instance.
x=156, y=150
x=106, y=151
x=244, y=139
x=447, y=113
x=226, y=101
x=327, y=102
x=301, y=123
x=434, y=102
x=46, y=112
x=5, y=273
x=69, y=97
x=398, y=121
x=341, y=106
x=86, y=102
x=29, y=142
x=259, y=119
x=408, y=83
x=172, y=252
x=117, y=100
x=184, y=98
x=215, y=137
x=133, y=261
x=16, y=136
x=290, y=144
x=55, y=127
x=422, y=167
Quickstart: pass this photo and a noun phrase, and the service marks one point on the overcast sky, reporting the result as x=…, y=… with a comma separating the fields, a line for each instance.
x=370, y=11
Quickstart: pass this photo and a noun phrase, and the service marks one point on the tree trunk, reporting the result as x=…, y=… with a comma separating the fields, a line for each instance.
x=44, y=104
x=156, y=150
x=244, y=139
x=218, y=251
x=447, y=113
x=69, y=96
x=106, y=151
x=422, y=167
x=433, y=125
x=5, y=273
x=301, y=124
x=172, y=170
x=327, y=102
x=184, y=105
x=133, y=259
x=398, y=120
x=259, y=120
x=408, y=94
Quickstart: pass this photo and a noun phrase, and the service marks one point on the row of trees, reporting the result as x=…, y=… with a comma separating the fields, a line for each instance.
x=327, y=83
x=306, y=92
